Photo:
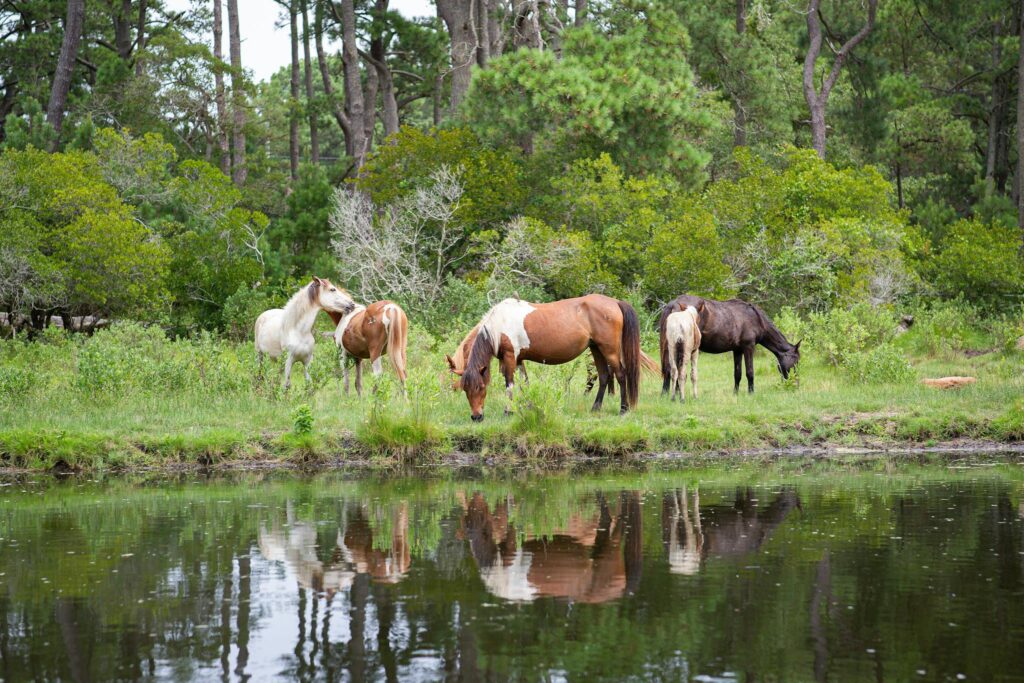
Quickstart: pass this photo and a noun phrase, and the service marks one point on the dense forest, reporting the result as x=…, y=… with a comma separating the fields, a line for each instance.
x=804, y=156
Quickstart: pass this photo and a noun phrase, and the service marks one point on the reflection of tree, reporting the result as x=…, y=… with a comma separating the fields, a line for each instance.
x=66, y=613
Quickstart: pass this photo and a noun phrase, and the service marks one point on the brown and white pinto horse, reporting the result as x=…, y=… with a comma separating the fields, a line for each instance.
x=367, y=333
x=554, y=333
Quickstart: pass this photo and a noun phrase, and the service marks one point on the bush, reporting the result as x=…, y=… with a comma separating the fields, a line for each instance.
x=882, y=365
x=980, y=262
x=945, y=327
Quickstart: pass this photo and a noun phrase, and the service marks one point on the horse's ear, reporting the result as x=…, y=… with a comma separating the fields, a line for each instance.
x=797, y=346
x=451, y=364
x=700, y=306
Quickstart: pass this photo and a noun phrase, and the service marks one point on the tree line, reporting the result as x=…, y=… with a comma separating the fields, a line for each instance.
x=655, y=107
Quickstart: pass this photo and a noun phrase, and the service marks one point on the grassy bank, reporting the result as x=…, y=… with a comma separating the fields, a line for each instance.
x=131, y=398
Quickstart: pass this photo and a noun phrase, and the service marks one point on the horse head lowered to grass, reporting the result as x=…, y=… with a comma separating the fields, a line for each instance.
x=554, y=333
x=732, y=325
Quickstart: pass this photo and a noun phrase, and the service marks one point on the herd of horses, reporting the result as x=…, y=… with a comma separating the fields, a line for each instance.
x=514, y=331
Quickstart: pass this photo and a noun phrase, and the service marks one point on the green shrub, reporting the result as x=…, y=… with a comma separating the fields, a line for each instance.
x=15, y=383
x=302, y=419
x=884, y=364
x=946, y=327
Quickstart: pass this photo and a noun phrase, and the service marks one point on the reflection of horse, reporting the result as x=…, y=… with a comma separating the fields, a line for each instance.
x=592, y=559
x=555, y=333
x=296, y=544
x=290, y=329
x=367, y=333
x=693, y=536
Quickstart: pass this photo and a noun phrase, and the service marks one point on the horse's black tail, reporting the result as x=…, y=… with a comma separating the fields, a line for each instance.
x=630, y=351
x=666, y=367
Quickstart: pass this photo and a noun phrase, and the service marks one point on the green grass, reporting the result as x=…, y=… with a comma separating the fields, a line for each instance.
x=54, y=420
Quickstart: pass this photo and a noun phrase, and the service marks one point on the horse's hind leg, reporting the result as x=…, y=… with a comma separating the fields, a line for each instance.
x=673, y=371
x=359, y=376
x=748, y=357
x=693, y=370
x=259, y=365
x=737, y=373
x=602, y=377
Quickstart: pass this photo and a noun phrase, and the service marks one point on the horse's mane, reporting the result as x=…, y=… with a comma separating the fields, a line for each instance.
x=772, y=333
x=301, y=302
x=459, y=358
x=479, y=357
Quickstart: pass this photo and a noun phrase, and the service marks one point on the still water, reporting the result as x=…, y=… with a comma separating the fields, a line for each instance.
x=874, y=572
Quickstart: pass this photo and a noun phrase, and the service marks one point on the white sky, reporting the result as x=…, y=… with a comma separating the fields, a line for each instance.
x=265, y=46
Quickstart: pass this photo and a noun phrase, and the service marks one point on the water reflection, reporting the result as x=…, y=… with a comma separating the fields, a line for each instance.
x=352, y=552
x=693, y=534
x=547, y=579
x=595, y=557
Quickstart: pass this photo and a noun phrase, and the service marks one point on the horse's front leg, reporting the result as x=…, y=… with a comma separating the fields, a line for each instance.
x=748, y=357
x=259, y=366
x=359, y=376
x=508, y=370
x=288, y=371
x=522, y=374
x=737, y=372
x=342, y=358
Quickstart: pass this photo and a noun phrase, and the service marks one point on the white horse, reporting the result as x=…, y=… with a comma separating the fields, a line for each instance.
x=682, y=332
x=290, y=329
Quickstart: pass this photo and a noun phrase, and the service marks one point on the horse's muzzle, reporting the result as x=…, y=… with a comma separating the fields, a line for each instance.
x=477, y=418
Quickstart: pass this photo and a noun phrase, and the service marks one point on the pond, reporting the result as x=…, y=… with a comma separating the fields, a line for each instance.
x=878, y=570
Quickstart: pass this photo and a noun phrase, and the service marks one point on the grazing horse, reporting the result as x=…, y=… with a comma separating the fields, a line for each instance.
x=554, y=333
x=682, y=332
x=290, y=329
x=457, y=361
x=368, y=332
x=735, y=326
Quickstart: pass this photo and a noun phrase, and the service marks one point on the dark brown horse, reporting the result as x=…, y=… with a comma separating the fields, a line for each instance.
x=735, y=326
x=555, y=333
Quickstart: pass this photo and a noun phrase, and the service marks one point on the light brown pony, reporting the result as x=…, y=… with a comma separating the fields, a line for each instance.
x=367, y=333
x=554, y=333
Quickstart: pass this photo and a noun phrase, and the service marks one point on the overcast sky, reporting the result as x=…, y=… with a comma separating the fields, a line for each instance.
x=265, y=46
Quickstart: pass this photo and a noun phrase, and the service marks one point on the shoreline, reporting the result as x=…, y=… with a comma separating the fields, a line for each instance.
x=360, y=458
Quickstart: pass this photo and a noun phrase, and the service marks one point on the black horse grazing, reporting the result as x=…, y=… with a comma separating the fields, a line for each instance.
x=735, y=326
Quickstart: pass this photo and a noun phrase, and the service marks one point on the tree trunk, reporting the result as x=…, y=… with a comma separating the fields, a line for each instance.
x=140, y=39
x=1020, y=129
x=218, y=79
x=817, y=100
x=239, y=171
x=6, y=105
x=378, y=61
x=293, y=104
x=123, y=30
x=994, y=112
x=314, y=134
x=325, y=75
x=740, y=120
x=581, y=12
x=458, y=17
x=65, y=65
x=370, y=107
x=353, y=84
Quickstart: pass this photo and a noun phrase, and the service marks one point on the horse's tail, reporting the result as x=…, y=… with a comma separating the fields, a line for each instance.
x=398, y=337
x=630, y=352
x=648, y=365
x=666, y=369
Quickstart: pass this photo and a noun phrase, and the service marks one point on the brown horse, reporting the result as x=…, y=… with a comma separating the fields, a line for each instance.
x=554, y=333
x=369, y=332
x=732, y=325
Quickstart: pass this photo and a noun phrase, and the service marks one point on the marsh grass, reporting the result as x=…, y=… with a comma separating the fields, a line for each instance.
x=212, y=411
